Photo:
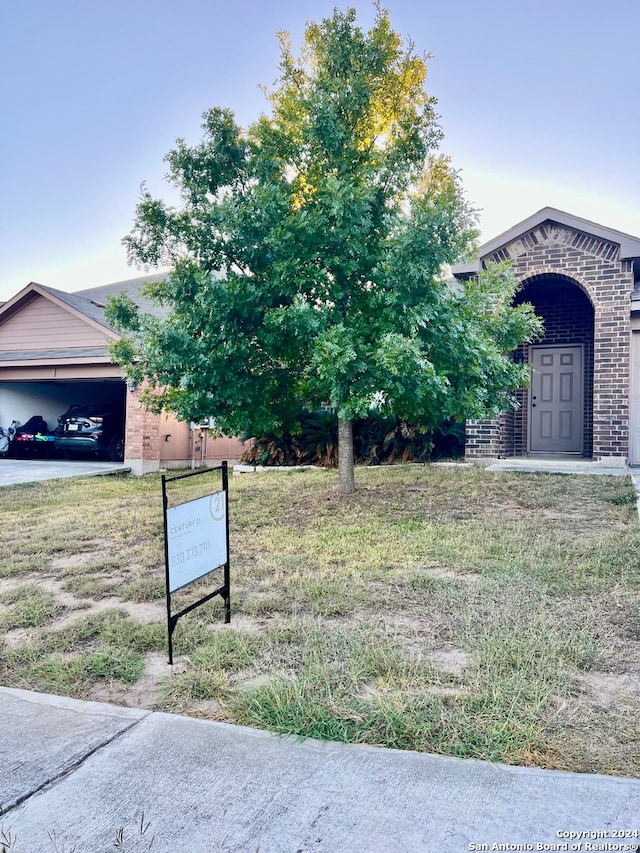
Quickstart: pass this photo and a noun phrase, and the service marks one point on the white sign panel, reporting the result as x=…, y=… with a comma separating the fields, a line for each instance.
x=196, y=539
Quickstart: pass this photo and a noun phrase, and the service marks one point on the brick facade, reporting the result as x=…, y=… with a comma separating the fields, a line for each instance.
x=153, y=441
x=142, y=445
x=581, y=286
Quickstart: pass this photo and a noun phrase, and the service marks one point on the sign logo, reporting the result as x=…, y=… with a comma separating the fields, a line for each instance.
x=217, y=506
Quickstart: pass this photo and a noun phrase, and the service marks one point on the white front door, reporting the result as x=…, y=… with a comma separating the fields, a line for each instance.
x=556, y=400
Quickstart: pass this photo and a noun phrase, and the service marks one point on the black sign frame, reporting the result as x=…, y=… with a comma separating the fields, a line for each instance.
x=225, y=590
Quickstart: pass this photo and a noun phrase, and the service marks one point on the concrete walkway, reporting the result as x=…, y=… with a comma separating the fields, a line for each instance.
x=555, y=465
x=82, y=772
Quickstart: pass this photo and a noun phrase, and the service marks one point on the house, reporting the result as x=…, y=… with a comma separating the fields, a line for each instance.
x=54, y=352
x=584, y=398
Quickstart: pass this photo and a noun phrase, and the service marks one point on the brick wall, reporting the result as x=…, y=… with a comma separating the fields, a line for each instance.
x=142, y=441
x=483, y=438
x=580, y=286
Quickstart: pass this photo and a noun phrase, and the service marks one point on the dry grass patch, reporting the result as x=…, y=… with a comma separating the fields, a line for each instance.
x=441, y=609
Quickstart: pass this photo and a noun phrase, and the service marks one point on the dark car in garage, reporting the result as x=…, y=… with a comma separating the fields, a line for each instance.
x=91, y=429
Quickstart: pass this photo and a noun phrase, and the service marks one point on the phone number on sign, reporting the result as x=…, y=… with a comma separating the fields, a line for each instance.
x=183, y=557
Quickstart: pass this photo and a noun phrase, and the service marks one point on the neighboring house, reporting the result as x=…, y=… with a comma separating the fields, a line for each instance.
x=54, y=352
x=584, y=399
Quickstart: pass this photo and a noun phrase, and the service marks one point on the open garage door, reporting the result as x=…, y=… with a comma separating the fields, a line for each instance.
x=25, y=401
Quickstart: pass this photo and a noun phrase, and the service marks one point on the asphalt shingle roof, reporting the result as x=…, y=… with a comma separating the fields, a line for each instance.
x=91, y=302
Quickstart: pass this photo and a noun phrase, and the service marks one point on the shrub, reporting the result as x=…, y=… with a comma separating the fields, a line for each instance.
x=377, y=440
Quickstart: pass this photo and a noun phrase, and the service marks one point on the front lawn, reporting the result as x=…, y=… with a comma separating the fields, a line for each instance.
x=443, y=609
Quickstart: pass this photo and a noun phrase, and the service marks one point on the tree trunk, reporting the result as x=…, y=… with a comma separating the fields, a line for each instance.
x=346, y=479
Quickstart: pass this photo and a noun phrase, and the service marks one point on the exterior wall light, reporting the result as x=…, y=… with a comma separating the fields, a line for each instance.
x=132, y=385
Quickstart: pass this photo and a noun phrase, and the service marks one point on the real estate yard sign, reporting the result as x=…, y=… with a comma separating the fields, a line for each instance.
x=196, y=538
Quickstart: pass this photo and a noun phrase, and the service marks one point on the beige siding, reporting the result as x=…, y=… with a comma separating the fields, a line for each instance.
x=185, y=446
x=634, y=394
x=176, y=448
x=224, y=448
x=43, y=325
x=60, y=371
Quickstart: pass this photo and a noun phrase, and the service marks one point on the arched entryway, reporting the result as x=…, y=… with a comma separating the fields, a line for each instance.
x=555, y=414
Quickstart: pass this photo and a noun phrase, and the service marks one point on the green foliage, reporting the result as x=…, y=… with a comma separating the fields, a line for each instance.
x=377, y=439
x=308, y=253
x=313, y=442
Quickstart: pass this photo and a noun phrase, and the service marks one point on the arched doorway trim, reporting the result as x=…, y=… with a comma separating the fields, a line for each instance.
x=564, y=275
x=556, y=414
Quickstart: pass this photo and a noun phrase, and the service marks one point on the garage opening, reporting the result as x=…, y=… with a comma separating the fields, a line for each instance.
x=92, y=413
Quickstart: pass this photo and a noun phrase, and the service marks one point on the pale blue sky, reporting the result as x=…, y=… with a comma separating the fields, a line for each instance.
x=538, y=102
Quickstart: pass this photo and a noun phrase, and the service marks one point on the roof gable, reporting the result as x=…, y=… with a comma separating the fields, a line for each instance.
x=59, y=304
x=88, y=305
x=36, y=323
x=552, y=225
x=551, y=234
x=41, y=322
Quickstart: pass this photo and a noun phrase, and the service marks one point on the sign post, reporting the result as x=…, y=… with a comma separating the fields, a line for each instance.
x=196, y=543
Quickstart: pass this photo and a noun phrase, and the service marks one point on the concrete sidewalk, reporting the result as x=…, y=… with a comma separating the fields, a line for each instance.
x=75, y=774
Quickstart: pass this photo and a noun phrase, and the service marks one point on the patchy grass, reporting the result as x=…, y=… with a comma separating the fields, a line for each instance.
x=27, y=606
x=441, y=609
x=103, y=647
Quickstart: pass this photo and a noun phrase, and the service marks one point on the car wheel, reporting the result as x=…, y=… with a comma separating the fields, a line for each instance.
x=116, y=449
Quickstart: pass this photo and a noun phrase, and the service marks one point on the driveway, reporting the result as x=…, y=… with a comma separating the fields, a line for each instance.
x=13, y=471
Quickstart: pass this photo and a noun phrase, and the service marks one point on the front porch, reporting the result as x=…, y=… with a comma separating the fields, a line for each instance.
x=579, y=277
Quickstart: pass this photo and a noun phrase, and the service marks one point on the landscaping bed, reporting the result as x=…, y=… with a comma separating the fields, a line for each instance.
x=444, y=609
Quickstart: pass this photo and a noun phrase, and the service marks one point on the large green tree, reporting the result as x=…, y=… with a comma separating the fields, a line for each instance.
x=308, y=257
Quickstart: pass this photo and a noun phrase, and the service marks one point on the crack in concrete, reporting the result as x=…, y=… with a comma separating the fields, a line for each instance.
x=21, y=800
